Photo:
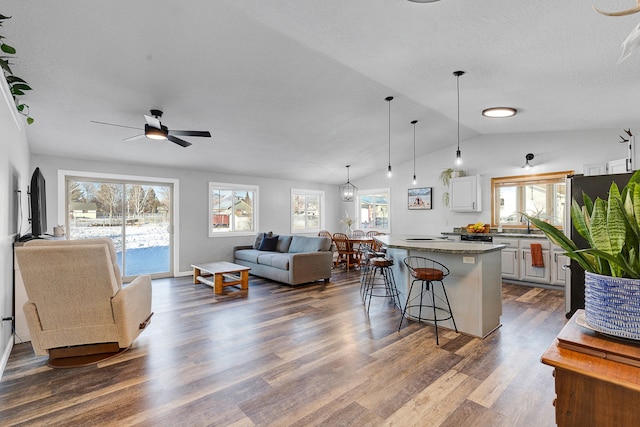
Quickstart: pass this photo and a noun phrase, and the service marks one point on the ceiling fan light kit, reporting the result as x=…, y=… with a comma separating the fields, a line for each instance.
x=155, y=133
x=154, y=129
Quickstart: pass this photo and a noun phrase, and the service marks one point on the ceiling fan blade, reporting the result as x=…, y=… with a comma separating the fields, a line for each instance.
x=153, y=122
x=112, y=124
x=178, y=141
x=204, y=133
x=133, y=138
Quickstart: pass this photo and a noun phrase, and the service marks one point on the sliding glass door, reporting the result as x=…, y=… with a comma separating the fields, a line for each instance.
x=135, y=215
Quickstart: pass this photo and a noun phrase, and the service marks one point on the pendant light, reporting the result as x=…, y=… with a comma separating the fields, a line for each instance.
x=415, y=181
x=348, y=191
x=389, y=99
x=458, y=153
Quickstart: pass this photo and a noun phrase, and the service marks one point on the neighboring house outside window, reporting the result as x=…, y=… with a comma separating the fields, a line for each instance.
x=373, y=210
x=307, y=211
x=233, y=209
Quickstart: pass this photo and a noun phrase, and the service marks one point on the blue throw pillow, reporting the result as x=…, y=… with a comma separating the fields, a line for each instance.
x=269, y=243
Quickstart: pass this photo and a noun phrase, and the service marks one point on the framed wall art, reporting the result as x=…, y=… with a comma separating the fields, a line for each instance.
x=420, y=198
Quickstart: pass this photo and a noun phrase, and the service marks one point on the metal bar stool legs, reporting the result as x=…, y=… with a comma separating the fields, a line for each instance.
x=380, y=267
x=428, y=272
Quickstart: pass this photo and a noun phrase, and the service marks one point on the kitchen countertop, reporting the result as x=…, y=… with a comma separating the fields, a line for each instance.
x=436, y=244
x=496, y=234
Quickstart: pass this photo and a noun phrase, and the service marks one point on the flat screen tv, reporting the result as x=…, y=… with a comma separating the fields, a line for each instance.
x=38, y=204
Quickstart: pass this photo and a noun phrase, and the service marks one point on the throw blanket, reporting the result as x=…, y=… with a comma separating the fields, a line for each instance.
x=536, y=255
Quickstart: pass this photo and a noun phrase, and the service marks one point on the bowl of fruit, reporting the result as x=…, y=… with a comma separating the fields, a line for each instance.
x=478, y=227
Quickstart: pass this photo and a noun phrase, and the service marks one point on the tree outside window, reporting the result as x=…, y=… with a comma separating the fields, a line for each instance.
x=374, y=210
x=232, y=209
x=307, y=211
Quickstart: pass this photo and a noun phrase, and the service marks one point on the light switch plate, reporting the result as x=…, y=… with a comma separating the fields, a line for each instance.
x=468, y=260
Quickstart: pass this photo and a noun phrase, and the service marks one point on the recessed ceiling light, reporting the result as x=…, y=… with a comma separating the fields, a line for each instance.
x=499, y=112
x=424, y=1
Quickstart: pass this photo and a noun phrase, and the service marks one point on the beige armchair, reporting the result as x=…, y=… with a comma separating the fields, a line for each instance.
x=78, y=311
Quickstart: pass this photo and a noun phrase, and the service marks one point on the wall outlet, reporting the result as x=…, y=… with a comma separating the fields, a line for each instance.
x=468, y=260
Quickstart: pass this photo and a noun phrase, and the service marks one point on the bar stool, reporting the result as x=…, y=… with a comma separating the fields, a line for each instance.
x=368, y=251
x=428, y=272
x=385, y=286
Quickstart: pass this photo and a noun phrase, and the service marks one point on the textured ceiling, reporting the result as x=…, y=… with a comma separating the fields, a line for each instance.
x=296, y=88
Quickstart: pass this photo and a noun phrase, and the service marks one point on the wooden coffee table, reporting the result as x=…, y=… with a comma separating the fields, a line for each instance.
x=223, y=273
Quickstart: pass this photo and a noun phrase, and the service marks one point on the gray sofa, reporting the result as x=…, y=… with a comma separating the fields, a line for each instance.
x=293, y=259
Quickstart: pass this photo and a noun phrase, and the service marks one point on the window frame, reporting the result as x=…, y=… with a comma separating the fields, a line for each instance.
x=521, y=181
x=314, y=193
x=373, y=191
x=222, y=186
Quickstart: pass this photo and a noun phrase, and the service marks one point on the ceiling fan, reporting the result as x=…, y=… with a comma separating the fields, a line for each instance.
x=154, y=129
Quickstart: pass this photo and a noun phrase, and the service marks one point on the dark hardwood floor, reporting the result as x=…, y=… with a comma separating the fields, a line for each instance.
x=306, y=355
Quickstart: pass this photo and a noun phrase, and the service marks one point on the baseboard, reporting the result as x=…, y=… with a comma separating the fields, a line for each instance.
x=5, y=356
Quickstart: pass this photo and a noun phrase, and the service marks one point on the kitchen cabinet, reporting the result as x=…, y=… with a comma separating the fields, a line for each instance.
x=617, y=166
x=466, y=194
x=517, y=263
x=558, y=261
x=528, y=272
x=510, y=258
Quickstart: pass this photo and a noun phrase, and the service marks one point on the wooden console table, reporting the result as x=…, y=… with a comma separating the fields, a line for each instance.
x=597, y=378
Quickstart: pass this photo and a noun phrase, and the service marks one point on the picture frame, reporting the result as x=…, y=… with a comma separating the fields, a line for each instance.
x=420, y=198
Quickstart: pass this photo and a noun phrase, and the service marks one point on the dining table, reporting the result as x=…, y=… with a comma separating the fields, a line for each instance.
x=356, y=245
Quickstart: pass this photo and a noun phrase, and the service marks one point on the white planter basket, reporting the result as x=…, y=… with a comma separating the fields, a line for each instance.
x=612, y=305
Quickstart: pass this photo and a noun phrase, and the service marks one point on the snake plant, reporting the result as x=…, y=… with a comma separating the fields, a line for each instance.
x=611, y=228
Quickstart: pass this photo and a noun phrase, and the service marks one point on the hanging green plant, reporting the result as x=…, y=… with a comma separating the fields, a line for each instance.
x=16, y=84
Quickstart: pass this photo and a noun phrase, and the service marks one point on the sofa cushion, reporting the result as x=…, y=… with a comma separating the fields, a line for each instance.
x=250, y=255
x=268, y=243
x=309, y=244
x=274, y=259
x=259, y=237
x=283, y=244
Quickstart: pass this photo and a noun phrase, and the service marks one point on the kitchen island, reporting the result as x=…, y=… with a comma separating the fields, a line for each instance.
x=474, y=286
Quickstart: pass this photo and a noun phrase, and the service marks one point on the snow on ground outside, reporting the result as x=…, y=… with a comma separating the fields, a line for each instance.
x=147, y=245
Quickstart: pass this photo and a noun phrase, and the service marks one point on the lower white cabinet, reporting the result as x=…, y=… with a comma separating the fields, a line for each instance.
x=517, y=262
x=510, y=258
x=558, y=262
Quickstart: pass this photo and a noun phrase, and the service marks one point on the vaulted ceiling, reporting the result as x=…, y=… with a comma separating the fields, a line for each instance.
x=296, y=88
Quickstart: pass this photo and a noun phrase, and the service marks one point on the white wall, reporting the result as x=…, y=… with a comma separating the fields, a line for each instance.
x=194, y=244
x=488, y=156
x=15, y=174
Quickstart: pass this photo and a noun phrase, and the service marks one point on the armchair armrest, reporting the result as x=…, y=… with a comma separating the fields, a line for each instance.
x=132, y=307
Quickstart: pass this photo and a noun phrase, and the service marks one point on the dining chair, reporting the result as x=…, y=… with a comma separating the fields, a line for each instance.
x=357, y=233
x=324, y=233
x=346, y=253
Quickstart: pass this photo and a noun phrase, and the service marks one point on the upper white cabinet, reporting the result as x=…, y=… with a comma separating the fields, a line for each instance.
x=466, y=195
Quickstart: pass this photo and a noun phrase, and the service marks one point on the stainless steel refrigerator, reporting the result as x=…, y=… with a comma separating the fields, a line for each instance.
x=594, y=186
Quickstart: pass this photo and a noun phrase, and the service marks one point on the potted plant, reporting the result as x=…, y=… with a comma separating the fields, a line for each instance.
x=612, y=260
x=16, y=85
x=445, y=178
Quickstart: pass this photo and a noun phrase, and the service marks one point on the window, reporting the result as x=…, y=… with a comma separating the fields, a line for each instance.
x=374, y=210
x=307, y=211
x=233, y=209
x=136, y=212
x=542, y=196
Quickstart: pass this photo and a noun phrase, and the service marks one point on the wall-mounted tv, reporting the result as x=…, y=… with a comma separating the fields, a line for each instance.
x=38, y=204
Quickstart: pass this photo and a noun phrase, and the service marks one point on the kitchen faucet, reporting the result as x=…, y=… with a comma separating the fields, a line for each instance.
x=524, y=217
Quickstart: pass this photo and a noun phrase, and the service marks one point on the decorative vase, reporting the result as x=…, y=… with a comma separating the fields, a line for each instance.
x=612, y=305
x=349, y=231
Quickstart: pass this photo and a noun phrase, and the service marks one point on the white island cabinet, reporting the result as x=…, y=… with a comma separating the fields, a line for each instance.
x=474, y=286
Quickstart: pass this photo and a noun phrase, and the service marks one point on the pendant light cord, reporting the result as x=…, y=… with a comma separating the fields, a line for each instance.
x=458, y=90
x=414, y=150
x=390, y=131
x=389, y=99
